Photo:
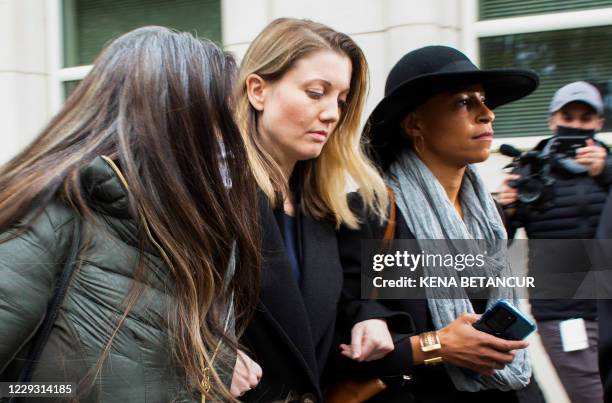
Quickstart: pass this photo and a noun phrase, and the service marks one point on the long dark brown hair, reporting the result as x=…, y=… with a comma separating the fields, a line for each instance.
x=158, y=103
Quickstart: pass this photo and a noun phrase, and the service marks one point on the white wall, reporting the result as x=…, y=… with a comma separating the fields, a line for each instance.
x=24, y=106
x=384, y=29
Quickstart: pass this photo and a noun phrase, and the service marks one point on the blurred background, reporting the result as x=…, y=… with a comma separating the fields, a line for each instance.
x=47, y=47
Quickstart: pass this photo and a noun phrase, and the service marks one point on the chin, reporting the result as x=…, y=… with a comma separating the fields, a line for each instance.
x=310, y=154
x=482, y=156
x=477, y=158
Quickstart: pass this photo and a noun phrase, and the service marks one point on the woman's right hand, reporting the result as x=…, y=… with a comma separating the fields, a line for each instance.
x=247, y=374
x=464, y=346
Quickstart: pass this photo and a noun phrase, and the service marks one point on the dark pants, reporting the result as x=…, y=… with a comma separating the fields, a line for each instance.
x=577, y=370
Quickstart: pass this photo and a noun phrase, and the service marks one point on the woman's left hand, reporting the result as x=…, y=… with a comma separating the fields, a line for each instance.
x=370, y=340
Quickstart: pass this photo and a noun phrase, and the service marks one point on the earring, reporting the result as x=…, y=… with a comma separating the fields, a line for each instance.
x=419, y=148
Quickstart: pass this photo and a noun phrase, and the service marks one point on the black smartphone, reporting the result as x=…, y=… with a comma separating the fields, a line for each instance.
x=505, y=321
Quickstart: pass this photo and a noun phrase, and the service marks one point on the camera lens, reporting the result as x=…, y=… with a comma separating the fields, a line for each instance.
x=530, y=191
x=500, y=320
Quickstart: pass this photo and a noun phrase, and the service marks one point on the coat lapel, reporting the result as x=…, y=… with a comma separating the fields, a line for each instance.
x=321, y=274
x=281, y=297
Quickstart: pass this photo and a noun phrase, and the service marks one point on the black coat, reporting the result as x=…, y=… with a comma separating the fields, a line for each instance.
x=604, y=306
x=431, y=384
x=291, y=333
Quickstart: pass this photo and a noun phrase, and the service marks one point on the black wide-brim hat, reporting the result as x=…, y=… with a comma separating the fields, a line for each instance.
x=428, y=71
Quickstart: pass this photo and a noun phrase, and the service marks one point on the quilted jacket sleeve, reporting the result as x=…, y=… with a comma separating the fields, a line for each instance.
x=29, y=265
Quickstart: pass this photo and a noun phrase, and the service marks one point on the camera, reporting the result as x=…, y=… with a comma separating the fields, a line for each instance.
x=535, y=167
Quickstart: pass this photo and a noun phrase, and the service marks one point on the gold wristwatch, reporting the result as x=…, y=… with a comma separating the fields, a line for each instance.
x=430, y=342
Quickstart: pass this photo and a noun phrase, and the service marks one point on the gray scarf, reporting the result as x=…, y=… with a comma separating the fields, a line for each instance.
x=430, y=215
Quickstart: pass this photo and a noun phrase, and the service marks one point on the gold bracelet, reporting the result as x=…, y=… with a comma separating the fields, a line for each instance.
x=429, y=342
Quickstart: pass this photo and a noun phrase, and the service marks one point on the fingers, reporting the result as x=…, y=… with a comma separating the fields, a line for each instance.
x=593, y=150
x=367, y=346
x=370, y=340
x=503, y=345
x=470, y=317
x=258, y=372
x=508, y=197
x=510, y=177
x=592, y=156
x=356, y=340
x=496, y=358
x=346, y=350
x=507, y=194
x=377, y=348
x=246, y=376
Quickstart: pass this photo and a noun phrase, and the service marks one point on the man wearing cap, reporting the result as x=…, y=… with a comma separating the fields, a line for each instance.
x=574, y=205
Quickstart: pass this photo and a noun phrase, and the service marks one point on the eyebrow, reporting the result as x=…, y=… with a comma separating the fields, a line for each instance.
x=583, y=114
x=471, y=93
x=327, y=83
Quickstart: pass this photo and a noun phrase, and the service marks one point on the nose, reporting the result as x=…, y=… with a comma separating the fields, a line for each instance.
x=486, y=115
x=330, y=112
x=578, y=124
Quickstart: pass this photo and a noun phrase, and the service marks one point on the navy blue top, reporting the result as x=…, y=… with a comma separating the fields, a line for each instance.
x=289, y=229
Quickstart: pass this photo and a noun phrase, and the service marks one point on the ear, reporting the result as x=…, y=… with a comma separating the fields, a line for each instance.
x=410, y=125
x=600, y=124
x=255, y=87
x=552, y=122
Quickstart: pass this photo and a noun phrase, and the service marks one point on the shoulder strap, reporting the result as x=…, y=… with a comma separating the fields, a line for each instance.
x=389, y=233
x=42, y=335
x=390, y=229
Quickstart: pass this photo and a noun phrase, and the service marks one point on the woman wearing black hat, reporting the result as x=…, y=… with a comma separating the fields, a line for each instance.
x=433, y=123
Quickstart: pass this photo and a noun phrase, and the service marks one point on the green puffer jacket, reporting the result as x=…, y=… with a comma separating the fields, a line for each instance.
x=139, y=367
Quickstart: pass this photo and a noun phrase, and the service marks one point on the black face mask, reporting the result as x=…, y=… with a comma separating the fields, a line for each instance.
x=571, y=131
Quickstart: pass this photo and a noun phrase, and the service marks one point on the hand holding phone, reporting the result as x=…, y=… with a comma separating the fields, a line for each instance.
x=505, y=321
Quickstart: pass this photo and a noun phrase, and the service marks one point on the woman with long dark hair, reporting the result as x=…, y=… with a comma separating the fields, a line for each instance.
x=140, y=187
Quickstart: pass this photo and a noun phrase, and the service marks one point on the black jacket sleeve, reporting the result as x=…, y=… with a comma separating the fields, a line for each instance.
x=353, y=306
x=605, y=177
x=604, y=310
x=399, y=361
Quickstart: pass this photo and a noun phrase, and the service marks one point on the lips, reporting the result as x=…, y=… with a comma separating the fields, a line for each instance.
x=319, y=134
x=484, y=136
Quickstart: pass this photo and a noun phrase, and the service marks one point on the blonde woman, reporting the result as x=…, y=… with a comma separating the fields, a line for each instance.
x=301, y=92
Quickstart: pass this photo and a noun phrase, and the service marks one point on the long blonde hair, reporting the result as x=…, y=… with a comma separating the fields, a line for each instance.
x=324, y=181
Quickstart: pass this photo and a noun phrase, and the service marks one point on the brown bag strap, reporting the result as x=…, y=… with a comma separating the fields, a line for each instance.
x=390, y=230
x=389, y=234
x=358, y=391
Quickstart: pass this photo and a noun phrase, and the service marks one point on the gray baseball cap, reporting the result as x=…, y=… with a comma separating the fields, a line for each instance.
x=578, y=91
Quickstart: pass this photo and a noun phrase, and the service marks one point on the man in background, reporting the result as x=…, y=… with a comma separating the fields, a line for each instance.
x=571, y=209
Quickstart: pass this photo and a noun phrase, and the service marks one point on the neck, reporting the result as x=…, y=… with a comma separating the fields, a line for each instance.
x=450, y=177
x=284, y=161
x=286, y=165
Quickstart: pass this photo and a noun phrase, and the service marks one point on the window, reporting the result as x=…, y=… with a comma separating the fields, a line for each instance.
x=90, y=24
x=503, y=8
x=563, y=41
x=559, y=57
